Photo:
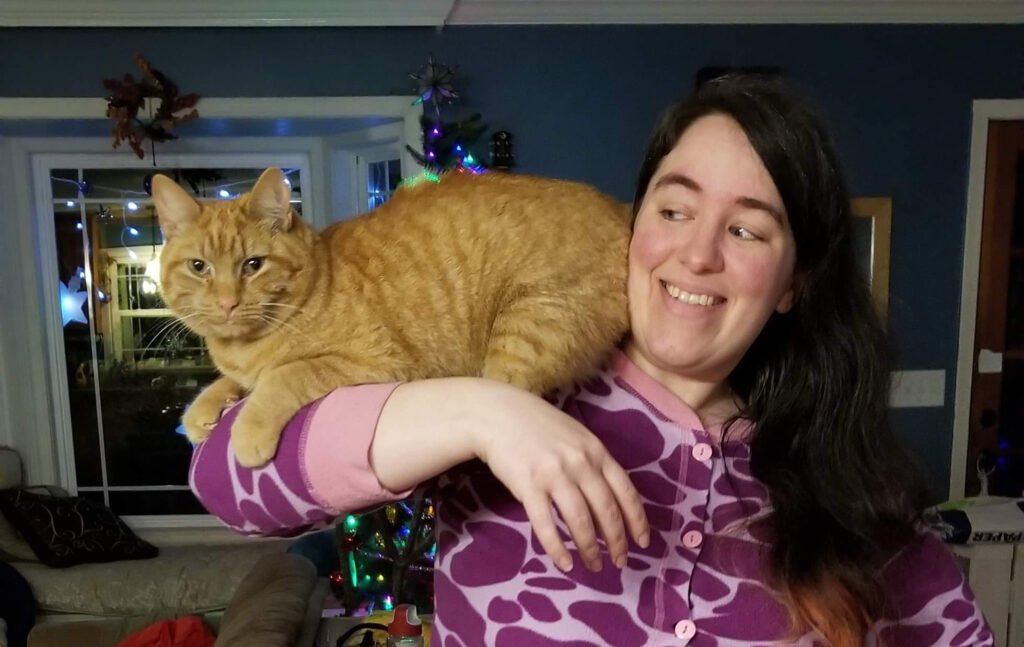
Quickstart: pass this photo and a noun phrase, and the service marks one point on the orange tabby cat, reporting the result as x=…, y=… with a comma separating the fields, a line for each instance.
x=520, y=279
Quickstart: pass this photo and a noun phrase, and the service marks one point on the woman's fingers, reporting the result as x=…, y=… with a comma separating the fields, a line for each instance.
x=628, y=501
x=575, y=512
x=605, y=509
x=538, y=510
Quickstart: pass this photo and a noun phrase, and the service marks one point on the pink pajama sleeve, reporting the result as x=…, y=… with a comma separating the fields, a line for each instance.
x=321, y=469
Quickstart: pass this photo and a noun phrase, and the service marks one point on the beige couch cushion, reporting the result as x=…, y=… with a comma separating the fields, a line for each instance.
x=270, y=606
x=182, y=580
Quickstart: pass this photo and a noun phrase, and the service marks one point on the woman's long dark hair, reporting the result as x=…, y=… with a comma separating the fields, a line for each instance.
x=816, y=380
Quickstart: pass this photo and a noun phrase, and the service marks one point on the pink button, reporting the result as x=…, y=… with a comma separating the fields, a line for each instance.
x=693, y=539
x=702, y=451
x=685, y=629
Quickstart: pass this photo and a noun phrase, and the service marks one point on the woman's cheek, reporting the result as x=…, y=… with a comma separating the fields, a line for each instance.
x=647, y=249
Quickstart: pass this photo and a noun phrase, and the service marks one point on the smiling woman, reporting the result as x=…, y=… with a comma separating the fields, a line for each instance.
x=712, y=258
x=741, y=440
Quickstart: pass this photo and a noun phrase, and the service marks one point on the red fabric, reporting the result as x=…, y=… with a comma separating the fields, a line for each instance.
x=181, y=632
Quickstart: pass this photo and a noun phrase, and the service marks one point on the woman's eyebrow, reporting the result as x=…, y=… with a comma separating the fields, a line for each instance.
x=681, y=179
x=676, y=178
x=761, y=205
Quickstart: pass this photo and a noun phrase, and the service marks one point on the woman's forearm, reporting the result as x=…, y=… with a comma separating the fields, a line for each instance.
x=429, y=426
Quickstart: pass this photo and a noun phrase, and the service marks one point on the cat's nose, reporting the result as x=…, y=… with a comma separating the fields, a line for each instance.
x=228, y=305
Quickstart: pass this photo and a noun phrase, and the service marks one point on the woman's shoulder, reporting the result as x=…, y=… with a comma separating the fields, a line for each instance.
x=930, y=601
x=925, y=566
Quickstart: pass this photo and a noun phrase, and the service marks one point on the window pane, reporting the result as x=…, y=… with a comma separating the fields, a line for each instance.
x=132, y=368
x=377, y=184
x=394, y=174
x=155, y=502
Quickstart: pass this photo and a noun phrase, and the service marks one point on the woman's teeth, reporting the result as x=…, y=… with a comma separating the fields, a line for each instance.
x=692, y=299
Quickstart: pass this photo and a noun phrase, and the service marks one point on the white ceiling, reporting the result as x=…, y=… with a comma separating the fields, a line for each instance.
x=438, y=13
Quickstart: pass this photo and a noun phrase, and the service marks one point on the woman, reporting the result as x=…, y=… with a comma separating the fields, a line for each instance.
x=740, y=437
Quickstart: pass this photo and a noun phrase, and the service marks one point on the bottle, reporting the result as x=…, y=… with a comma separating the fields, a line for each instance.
x=406, y=629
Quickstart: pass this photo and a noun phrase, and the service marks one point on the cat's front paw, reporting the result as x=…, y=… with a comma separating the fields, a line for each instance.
x=201, y=418
x=253, y=442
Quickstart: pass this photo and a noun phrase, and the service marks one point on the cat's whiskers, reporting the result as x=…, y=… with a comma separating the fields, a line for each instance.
x=295, y=310
x=281, y=322
x=167, y=329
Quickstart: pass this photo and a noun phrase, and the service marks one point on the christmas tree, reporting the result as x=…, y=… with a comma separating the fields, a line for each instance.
x=387, y=558
x=446, y=144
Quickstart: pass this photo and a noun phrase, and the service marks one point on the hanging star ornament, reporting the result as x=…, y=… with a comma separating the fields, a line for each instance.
x=434, y=83
x=72, y=298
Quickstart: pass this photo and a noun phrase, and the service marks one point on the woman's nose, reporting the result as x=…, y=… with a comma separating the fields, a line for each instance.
x=701, y=250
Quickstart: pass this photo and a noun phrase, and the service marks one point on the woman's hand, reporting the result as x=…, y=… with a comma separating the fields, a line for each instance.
x=545, y=456
x=539, y=453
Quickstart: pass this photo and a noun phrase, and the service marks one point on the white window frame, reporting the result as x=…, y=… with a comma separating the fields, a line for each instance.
x=31, y=342
x=294, y=153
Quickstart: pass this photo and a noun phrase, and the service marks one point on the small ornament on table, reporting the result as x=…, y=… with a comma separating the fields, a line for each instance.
x=502, y=157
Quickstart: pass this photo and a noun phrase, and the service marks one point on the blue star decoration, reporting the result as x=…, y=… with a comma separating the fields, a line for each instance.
x=71, y=301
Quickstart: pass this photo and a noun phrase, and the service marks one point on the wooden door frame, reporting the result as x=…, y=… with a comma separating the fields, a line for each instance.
x=984, y=111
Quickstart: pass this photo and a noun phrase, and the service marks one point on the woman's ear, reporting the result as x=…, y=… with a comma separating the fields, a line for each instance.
x=792, y=295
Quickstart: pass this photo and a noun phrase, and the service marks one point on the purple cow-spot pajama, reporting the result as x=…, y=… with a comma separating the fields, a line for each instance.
x=701, y=581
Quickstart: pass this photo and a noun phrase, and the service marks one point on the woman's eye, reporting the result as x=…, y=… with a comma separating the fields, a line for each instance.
x=253, y=265
x=198, y=266
x=672, y=214
x=743, y=233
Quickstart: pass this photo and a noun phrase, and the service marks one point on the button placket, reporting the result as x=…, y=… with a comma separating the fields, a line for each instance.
x=702, y=452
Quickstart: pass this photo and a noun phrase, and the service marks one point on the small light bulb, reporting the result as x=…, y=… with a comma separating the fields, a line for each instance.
x=81, y=275
x=70, y=203
x=287, y=181
x=132, y=254
x=133, y=231
x=224, y=193
x=78, y=226
x=132, y=205
x=101, y=295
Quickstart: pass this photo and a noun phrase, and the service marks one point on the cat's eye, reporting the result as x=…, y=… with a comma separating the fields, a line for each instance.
x=252, y=265
x=198, y=266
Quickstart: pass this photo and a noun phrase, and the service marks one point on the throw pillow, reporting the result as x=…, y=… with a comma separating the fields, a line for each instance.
x=64, y=531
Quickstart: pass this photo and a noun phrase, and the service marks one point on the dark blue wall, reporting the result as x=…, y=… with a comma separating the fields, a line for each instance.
x=580, y=101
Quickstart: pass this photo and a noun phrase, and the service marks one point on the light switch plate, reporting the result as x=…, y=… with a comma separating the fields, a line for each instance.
x=918, y=389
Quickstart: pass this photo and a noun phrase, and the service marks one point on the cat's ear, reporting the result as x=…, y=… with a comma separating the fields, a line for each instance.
x=175, y=209
x=269, y=199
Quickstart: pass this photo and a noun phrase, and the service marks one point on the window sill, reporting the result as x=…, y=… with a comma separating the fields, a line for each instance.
x=187, y=530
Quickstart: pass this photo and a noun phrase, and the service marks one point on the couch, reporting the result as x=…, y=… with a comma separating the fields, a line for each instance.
x=278, y=604
x=180, y=580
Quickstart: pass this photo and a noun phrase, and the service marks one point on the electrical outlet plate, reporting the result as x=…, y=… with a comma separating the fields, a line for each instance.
x=918, y=389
